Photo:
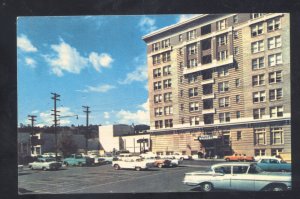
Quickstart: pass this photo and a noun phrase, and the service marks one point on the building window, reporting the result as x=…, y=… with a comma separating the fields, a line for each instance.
x=182, y=120
x=180, y=37
x=224, y=102
x=155, y=47
x=167, y=70
x=238, y=135
x=255, y=15
x=235, y=34
x=166, y=56
x=259, y=97
x=260, y=152
x=194, y=106
x=222, y=40
x=167, y=83
x=169, y=123
x=258, y=113
x=157, y=98
x=235, y=19
x=237, y=99
x=237, y=82
x=260, y=136
x=275, y=94
x=273, y=24
x=276, y=111
x=192, y=63
x=180, y=51
x=223, y=86
x=275, y=59
x=192, y=78
x=168, y=97
x=223, y=71
x=193, y=92
x=157, y=85
x=181, y=107
x=168, y=110
x=224, y=117
x=258, y=63
x=156, y=59
x=158, y=111
x=275, y=152
x=222, y=55
x=221, y=25
x=275, y=77
x=274, y=42
x=181, y=79
x=158, y=124
x=236, y=50
x=181, y=93
x=257, y=29
x=276, y=135
x=194, y=120
x=191, y=34
x=165, y=43
x=258, y=80
x=192, y=49
x=156, y=73
x=180, y=65
x=257, y=46
x=238, y=114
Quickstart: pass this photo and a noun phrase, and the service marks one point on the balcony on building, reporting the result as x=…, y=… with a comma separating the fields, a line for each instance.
x=208, y=106
x=215, y=63
x=207, y=91
x=207, y=77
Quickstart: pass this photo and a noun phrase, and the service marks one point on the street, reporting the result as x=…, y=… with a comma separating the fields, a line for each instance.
x=104, y=179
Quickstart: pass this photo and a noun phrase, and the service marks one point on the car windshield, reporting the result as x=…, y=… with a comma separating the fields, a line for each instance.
x=50, y=160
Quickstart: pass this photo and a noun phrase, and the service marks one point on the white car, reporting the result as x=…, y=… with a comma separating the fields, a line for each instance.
x=133, y=163
x=45, y=164
x=240, y=177
x=257, y=158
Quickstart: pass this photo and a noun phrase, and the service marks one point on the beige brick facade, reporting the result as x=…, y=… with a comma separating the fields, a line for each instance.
x=220, y=83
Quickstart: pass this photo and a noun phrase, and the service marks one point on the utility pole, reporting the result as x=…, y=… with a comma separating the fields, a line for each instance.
x=32, y=119
x=87, y=126
x=55, y=111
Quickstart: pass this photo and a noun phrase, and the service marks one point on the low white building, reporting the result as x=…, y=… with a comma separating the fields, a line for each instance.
x=122, y=137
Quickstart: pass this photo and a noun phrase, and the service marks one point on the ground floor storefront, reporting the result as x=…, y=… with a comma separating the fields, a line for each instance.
x=256, y=139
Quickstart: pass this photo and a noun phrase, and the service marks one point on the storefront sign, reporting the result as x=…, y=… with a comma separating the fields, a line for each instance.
x=208, y=137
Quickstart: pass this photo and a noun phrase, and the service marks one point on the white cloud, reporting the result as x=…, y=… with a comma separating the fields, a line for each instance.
x=35, y=112
x=139, y=74
x=100, y=60
x=30, y=62
x=147, y=24
x=67, y=59
x=100, y=89
x=47, y=119
x=141, y=116
x=25, y=44
x=182, y=18
x=106, y=115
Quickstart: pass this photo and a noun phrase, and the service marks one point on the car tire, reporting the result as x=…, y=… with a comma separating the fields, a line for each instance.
x=67, y=164
x=207, y=187
x=44, y=169
x=278, y=187
x=227, y=159
x=117, y=167
x=181, y=159
x=137, y=168
x=159, y=165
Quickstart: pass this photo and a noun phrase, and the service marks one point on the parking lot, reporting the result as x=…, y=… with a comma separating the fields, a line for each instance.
x=104, y=179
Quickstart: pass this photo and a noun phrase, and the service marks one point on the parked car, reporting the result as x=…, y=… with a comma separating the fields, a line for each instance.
x=274, y=164
x=239, y=157
x=257, y=158
x=78, y=160
x=173, y=161
x=45, y=164
x=133, y=163
x=238, y=176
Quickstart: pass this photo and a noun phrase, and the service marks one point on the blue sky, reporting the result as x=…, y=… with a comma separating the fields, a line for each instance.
x=95, y=61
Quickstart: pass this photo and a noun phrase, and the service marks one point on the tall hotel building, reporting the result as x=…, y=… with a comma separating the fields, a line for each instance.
x=220, y=84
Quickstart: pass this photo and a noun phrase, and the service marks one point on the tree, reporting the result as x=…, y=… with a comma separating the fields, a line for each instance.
x=67, y=145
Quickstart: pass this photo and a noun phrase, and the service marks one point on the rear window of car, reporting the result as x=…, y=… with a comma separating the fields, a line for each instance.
x=239, y=169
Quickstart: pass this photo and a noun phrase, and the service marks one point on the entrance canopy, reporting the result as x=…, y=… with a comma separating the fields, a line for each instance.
x=208, y=137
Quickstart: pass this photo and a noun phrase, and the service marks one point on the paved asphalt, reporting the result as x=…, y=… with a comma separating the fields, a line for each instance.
x=104, y=179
